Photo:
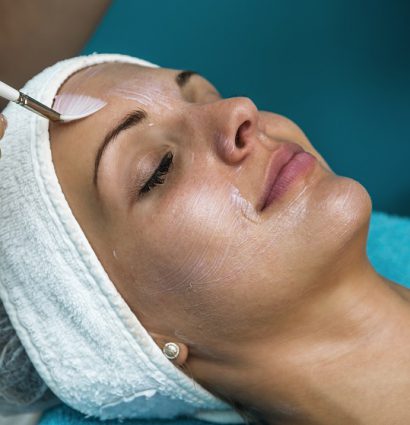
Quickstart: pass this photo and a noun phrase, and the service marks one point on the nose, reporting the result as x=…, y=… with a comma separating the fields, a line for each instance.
x=235, y=128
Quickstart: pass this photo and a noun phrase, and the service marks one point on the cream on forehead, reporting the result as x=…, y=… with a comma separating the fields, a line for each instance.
x=145, y=88
x=143, y=92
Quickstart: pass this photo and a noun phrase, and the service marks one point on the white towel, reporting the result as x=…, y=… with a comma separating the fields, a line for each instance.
x=81, y=336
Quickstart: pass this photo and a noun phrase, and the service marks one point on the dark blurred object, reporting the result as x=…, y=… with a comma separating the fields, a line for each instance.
x=35, y=34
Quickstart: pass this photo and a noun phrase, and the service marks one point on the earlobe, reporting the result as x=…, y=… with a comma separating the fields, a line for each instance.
x=177, y=352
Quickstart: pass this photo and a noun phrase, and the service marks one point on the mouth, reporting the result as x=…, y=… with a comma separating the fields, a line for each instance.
x=280, y=157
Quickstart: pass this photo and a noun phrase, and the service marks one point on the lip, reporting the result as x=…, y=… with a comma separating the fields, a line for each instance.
x=280, y=157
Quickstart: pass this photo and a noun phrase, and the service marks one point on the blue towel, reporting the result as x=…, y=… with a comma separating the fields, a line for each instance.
x=388, y=249
x=388, y=246
x=64, y=415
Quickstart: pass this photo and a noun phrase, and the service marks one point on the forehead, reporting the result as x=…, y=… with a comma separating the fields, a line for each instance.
x=98, y=79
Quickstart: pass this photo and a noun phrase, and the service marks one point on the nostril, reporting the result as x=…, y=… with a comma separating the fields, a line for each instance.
x=239, y=134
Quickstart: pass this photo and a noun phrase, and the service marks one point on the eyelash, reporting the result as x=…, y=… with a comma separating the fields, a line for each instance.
x=159, y=174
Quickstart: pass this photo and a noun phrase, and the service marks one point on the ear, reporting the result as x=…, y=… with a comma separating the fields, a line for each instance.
x=161, y=340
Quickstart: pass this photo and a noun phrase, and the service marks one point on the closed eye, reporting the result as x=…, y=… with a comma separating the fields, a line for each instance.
x=158, y=177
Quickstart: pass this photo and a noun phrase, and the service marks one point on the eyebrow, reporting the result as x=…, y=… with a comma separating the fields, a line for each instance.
x=131, y=120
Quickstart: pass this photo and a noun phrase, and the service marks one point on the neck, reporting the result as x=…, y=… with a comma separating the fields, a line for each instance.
x=341, y=354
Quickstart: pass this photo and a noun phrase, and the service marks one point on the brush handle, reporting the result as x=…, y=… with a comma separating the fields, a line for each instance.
x=28, y=102
x=34, y=106
x=8, y=92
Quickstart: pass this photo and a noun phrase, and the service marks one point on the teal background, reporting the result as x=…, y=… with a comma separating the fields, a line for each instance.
x=339, y=68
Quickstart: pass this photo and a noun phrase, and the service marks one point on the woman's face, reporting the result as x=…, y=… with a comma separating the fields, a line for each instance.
x=195, y=257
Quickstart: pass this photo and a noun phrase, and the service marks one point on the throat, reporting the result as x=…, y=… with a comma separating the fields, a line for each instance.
x=339, y=371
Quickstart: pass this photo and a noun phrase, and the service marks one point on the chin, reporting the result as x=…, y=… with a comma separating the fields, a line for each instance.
x=340, y=211
x=352, y=206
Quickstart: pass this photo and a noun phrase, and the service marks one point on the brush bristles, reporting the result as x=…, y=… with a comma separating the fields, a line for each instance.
x=74, y=106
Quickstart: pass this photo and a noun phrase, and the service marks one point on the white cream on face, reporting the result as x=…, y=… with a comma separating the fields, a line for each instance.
x=136, y=90
x=223, y=213
x=146, y=95
x=204, y=254
x=204, y=244
x=246, y=208
x=230, y=228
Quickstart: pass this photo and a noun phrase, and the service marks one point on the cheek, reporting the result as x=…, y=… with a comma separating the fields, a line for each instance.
x=196, y=233
x=207, y=241
x=197, y=252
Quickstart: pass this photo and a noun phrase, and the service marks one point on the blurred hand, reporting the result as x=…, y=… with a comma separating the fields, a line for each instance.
x=3, y=125
x=36, y=34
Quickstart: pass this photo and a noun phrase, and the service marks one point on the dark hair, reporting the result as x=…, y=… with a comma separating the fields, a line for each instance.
x=21, y=387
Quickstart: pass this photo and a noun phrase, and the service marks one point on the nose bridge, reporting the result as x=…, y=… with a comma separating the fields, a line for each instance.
x=231, y=127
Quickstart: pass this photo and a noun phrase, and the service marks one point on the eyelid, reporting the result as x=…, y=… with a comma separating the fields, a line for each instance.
x=140, y=173
x=208, y=96
x=195, y=93
x=139, y=180
x=161, y=170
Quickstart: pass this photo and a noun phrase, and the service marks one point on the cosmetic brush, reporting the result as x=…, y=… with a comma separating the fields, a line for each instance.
x=72, y=107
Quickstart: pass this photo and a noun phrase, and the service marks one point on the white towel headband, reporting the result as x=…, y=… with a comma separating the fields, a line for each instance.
x=81, y=336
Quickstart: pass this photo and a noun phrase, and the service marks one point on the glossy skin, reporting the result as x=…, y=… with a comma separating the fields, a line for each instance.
x=256, y=300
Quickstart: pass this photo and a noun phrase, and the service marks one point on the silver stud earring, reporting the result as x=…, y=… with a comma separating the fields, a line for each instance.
x=171, y=350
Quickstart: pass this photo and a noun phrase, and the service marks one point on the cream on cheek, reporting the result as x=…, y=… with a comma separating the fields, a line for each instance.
x=211, y=260
x=216, y=266
x=195, y=233
x=208, y=234
x=244, y=206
